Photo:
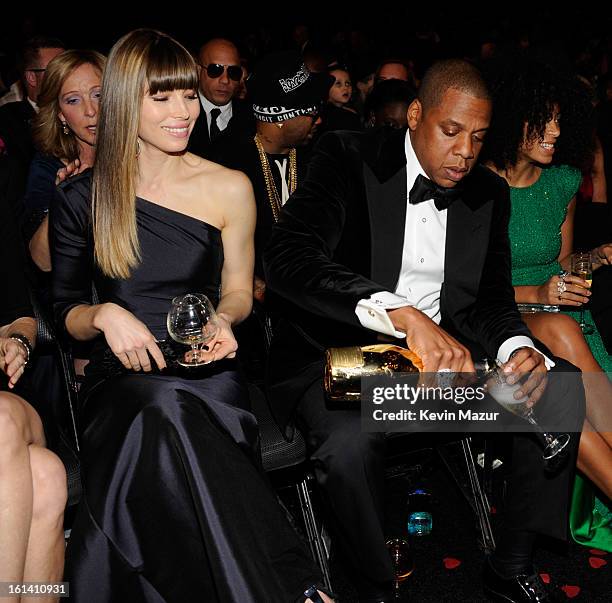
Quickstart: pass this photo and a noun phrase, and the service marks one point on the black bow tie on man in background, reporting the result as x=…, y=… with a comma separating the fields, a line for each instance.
x=424, y=189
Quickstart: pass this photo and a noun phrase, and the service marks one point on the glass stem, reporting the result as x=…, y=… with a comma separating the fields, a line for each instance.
x=547, y=437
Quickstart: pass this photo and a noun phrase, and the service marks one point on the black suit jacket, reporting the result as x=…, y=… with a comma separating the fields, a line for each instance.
x=15, y=129
x=16, y=133
x=242, y=122
x=340, y=239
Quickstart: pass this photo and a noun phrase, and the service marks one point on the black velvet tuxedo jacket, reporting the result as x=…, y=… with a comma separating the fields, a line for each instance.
x=340, y=239
x=242, y=122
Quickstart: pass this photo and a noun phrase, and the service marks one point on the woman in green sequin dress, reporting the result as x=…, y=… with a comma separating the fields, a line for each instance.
x=523, y=140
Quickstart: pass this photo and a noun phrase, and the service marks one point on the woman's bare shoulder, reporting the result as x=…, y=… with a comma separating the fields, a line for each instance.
x=213, y=174
x=219, y=180
x=227, y=189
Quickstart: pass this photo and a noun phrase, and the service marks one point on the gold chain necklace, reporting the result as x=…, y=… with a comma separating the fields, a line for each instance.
x=273, y=196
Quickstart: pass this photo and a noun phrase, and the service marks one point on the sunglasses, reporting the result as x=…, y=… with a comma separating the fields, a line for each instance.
x=215, y=70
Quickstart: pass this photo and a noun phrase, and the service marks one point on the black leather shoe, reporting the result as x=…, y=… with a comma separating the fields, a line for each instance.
x=524, y=588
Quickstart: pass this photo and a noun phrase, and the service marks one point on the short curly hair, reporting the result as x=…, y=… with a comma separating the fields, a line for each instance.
x=526, y=90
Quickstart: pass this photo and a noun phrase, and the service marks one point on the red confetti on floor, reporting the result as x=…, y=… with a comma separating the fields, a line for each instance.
x=597, y=562
x=545, y=578
x=451, y=563
x=571, y=591
x=597, y=552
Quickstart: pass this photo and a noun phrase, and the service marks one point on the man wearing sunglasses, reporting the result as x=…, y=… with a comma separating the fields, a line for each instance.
x=15, y=116
x=222, y=114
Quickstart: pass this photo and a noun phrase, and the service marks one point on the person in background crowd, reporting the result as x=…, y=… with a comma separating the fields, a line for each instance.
x=222, y=115
x=64, y=132
x=337, y=113
x=275, y=158
x=16, y=117
x=388, y=103
x=392, y=69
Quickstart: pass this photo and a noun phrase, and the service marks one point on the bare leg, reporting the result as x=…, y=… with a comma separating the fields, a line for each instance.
x=563, y=336
x=19, y=427
x=46, y=547
x=32, y=499
x=595, y=459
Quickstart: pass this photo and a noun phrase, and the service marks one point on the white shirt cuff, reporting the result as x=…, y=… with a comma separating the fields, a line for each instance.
x=372, y=312
x=513, y=344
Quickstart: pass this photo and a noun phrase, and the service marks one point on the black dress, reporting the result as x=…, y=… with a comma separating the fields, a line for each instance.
x=175, y=506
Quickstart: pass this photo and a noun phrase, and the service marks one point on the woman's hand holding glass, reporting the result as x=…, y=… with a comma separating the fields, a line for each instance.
x=563, y=290
x=192, y=320
x=582, y=266
x=223, y=344
x=128, y=338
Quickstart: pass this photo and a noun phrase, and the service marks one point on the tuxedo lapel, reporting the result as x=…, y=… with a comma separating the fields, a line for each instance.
x=387, y=212
x=467, y=232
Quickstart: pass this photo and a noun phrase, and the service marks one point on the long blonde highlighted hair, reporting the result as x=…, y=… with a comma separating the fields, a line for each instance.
x=46, y=127
x=142, y=61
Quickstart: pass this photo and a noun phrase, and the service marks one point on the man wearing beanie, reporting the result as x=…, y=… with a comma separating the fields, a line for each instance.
x=286, y=101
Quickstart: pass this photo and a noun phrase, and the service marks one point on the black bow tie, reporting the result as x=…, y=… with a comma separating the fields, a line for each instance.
x=424, y=189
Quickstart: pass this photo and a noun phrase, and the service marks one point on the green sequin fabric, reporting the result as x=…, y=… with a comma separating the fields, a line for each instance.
x=538, y=211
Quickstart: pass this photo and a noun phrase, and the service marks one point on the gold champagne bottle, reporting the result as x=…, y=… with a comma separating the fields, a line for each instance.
x=345, y=367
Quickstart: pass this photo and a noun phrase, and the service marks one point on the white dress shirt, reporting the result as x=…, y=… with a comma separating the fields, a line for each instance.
x=422, y=272
x=223, y=118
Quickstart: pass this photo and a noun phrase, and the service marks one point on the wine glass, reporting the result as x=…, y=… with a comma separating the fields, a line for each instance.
x=403, y=562
x=192, y=321
x=582, y=267
x=503, y=393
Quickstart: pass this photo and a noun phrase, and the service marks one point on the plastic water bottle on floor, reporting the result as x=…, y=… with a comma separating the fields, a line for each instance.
x=419, y=513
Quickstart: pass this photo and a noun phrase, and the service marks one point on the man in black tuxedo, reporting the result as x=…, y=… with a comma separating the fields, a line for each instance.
x=354, y=261
x=222, y=115
x=15, y=117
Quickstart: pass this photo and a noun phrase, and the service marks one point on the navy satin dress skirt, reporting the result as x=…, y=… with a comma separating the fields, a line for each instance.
x=176, y=507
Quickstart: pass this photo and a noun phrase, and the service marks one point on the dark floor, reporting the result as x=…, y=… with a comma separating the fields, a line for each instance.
x=448, y=562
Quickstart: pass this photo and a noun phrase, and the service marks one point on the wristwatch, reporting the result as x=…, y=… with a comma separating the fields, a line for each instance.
x=21, y=338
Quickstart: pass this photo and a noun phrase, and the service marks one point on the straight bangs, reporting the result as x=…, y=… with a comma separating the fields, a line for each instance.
x=170, y=67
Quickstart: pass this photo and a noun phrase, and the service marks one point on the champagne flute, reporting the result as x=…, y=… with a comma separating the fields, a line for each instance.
x=503, y=393
x=582, y=267
x=403, y=562
x=192, y=321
